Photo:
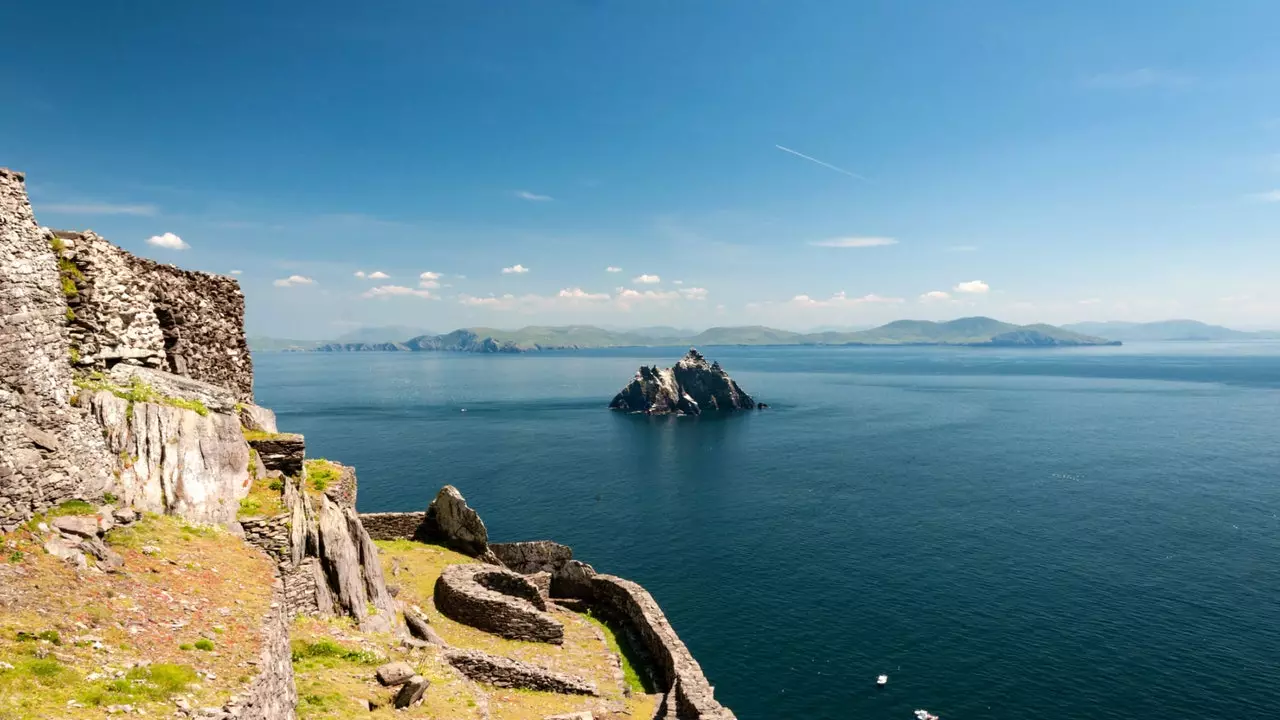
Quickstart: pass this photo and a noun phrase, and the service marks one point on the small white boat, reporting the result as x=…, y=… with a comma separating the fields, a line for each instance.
x=882, y=680
x=925, y=715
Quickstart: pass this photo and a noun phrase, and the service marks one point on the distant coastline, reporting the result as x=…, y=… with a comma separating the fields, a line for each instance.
x=963, y=332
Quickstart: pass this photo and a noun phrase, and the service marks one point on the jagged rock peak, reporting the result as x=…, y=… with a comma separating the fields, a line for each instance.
x=690, y=387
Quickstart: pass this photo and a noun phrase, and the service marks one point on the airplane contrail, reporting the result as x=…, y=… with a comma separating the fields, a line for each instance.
x=823, y=164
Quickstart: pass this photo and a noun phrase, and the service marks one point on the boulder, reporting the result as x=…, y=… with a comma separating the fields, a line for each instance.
x=420, y=628
x=256, y=417
x=66, y=550
x=532, y=557
x=108, y=559
x=284, y=452
x=412, y=691
x=85, y=526
x=573, y=581
x=450, y=521
x=690, y=387
x=395, y=673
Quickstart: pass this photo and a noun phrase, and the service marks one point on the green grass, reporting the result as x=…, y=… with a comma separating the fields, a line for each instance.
x=138, y=392
x=69, y=287
x=157, y=682
x=327, y=652
x=57, y=244
x=204, y=644
x=265, y=498
x=73, y=507
x=624, y=651
x=252, y=435
x=321, y=474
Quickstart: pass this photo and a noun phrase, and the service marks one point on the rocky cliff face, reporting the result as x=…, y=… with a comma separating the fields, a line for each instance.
x=690, y=387
x=49, y=451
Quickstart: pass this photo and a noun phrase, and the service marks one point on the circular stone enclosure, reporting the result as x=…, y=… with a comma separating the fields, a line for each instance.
x=496, y=600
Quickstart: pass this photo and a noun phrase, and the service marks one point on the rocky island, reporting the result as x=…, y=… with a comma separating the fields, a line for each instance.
x=689, y=387
x=168, y=552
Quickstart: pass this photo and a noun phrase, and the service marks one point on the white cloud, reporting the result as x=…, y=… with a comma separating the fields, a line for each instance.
x=580, y=294
x=973, y=286
x=360, y=274
x=293, y=281
x=236, y=272
x=840, y=299
x=613, y=269
x=1271, y=196
x=935, y=296
x=99, y=209
x=535, y=197
x=1136, y=79
x=375, y=275
x=646, y=280
x=396, y=291
x=428, y=275
x=485, y=301
x=694, y=293
x=677, y=282
x=514, y=270
x=429, y=280
x=169, y=241
x=854, y=242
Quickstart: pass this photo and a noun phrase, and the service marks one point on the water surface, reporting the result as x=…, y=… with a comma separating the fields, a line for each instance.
x=1008, y=533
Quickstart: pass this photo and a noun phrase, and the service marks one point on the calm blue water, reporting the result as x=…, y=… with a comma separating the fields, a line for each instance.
x=1090, y=533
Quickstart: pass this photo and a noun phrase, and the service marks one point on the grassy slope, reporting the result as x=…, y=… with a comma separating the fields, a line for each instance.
x=203, y=588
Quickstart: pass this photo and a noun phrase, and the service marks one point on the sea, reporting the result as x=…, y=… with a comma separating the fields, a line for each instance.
x=1006, y=533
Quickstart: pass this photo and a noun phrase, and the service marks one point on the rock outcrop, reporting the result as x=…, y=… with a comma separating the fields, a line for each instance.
x=691, y=387
x=451, y=522
x=172, y=460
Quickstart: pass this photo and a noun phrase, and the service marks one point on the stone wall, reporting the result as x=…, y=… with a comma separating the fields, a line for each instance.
x=133, y=310
x=496, y=600
x=269, y=533
x=49, y=451
x=393, y=525
x=687, y=688
x=271, y=694
x=505, y=672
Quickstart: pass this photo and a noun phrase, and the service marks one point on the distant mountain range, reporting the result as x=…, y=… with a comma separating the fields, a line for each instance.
x=1166, y=330
x=973, y=331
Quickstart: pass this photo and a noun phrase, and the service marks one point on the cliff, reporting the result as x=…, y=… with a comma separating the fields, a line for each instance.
x=689, y=387
x=199, y=564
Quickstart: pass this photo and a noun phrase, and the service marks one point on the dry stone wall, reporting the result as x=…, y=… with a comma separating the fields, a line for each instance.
x=393, y=525
x=49, y=451
x=136, y=311
x=496, y=600
x=688, y=691
x=272, y=694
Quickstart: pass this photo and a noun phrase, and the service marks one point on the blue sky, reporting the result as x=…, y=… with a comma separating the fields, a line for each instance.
x=1030, y=161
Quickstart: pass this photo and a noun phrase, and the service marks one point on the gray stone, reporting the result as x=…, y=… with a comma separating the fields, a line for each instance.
x=284, y=452
x=573, y=581
x=65, y=550
x=420, y=628
x=584, y=715
x=505, y=672
x=125, y=516
x=175, y=461
x=214, y=398
x=689, y=387
x=412, y=691
x=395, y=673
x=450, y=521
x=256, y=417
x=496, y=600
x=85, y=526
x=532, y=557
x=42, y=439
x=108, y=559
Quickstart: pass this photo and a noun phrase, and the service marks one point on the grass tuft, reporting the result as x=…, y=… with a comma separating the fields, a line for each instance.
x=204, y=644
x=321, y=474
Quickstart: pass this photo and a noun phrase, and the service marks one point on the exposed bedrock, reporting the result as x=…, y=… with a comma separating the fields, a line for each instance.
x=451, y=522
x=690, y=387
x=285, y=452
x=496, y=600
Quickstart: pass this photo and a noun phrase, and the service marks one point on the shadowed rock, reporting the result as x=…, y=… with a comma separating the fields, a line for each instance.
x=690, y=387
x=450, y=521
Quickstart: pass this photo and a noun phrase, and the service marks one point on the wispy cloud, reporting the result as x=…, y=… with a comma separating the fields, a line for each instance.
x=975, y=287
x=515, y=270
x=841, y=299
x=646, y=279
x=677, y=282
x=580, y=294
x=613, y=269
x=535, y=197
x=854, y=242
x=1271, y=196
x=935, y=296
x=1137, y=79
x=386, y=291
x=293, y=281
x=98, y=208
x=820, y=162
x=168, y=241
x=430, y=279
x=236, y=272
